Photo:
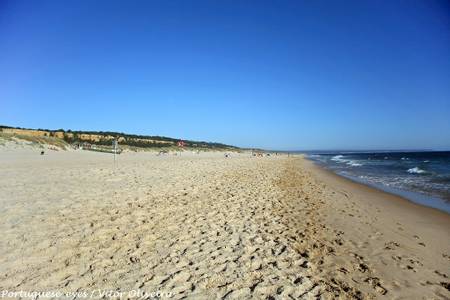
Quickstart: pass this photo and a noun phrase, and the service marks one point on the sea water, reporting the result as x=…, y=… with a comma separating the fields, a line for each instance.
x=422, y=177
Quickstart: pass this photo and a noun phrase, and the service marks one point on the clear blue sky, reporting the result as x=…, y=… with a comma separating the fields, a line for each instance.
x=275, y=74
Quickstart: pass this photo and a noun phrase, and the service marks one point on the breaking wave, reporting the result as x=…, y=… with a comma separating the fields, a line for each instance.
x=416, y=170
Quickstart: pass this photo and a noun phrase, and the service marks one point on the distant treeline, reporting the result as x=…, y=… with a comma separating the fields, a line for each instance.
x=133, y=140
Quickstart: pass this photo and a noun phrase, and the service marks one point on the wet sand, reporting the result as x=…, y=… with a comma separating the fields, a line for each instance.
x=209, y=227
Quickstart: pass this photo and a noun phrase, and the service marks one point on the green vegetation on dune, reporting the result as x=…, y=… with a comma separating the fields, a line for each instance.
x=36, y=140
x=105, y=138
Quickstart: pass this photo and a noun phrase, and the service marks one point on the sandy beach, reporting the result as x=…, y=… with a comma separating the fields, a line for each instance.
x=202, y=226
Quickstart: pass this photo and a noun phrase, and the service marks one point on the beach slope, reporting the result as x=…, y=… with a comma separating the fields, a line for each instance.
x=203, y=226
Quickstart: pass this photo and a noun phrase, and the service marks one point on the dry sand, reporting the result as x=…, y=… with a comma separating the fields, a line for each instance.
x=209, y=227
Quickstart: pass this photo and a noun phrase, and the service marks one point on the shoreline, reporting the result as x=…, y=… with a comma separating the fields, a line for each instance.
x=404, y=243
x=408, y=203
x=414, y=197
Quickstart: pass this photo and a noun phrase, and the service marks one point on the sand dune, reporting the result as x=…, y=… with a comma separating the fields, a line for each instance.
x=209, y=227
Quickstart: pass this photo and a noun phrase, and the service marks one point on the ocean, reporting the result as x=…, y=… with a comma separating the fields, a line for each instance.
x=422, y=177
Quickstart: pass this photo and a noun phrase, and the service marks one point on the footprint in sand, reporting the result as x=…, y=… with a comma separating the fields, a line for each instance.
x=391, y=245
x=375, y=283
x=446, y=285
x=441, y=274
x=362, y=268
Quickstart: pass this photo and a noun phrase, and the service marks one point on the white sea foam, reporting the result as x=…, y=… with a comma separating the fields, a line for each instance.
x=416, y=170
x=338, y=158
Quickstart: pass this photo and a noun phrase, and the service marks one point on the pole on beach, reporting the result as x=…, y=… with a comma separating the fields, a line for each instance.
x=115, y=151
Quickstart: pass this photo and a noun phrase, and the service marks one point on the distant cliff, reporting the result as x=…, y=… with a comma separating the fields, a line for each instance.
x=106, y=138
